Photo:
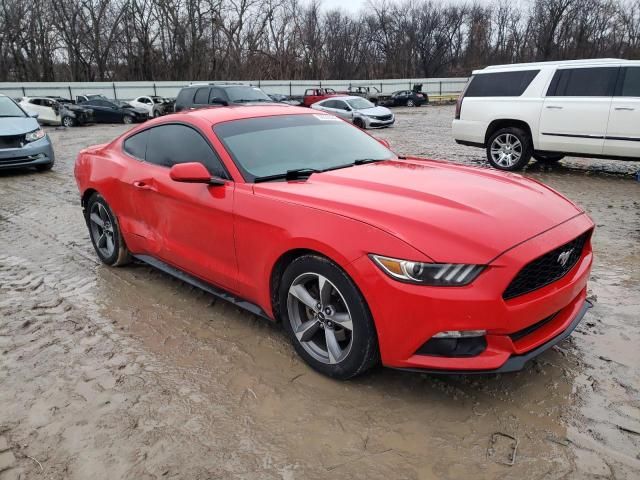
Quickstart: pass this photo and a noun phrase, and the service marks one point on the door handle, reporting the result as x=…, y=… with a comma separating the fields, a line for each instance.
x=142, y=185
x=627, y=109
x=554, y=107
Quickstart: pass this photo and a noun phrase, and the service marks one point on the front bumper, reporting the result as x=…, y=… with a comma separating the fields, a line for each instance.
x=32, y=154
x=376, y=123
x=407, y=316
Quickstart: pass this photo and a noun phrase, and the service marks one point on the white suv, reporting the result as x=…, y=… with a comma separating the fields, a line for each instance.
x=587, y=108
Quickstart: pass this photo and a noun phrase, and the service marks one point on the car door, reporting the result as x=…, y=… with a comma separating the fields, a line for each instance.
x=188, y=225
x=51, y=110
x=343, y=110
x=101, y=113
x=575, y=112
x=623, y=131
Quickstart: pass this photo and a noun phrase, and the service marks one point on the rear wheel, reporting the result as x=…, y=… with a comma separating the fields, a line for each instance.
x=548, y=157
x=105, y=232
x=509, y=149
x=411, y=103
x=327, y=318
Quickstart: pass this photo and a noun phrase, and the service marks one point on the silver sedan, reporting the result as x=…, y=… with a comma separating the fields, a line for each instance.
x=358, y=110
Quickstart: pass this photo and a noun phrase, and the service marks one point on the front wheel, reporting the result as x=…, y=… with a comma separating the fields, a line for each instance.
x=358, y=122
x=156, y=113
x=68, y=122
x=127, y=119
x=105, y=232
x=327, y=318
x=411, y=103
x=548, y=157
x=509, y=149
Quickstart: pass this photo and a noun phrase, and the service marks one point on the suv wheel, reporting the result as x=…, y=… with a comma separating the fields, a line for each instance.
x=327, y=318
x=105, y=232
x=509, y=149
x=548, y=157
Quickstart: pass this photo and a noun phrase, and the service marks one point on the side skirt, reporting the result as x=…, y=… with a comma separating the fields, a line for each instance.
x=207, y=287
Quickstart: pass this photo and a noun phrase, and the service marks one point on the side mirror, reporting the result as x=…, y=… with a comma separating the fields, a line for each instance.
x=218, y=101
x=193, y=172
x=34, y=115
x=384, y=143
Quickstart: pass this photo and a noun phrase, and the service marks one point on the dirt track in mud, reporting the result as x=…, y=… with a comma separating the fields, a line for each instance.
x=127, y=373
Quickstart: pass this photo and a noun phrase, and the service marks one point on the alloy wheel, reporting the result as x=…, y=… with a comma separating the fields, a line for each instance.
x=102, y=231
x=320, y=318
x=506, y=150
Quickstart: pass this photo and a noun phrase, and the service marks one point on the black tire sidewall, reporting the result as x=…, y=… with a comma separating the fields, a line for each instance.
x=120, y=250
x=527, y=149
x=364, y=349
x=358, y=122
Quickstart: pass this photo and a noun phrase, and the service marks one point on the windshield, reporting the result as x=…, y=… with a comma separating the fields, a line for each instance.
x=360, y=103
x=268, y=146
x=156, y=99
x=8, y=108
x=247, y=94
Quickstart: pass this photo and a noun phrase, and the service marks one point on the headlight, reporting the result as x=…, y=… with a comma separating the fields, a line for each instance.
x=434, y=274
x=35, y=135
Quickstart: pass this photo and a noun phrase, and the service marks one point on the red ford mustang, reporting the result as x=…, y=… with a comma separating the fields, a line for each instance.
x=364, y=256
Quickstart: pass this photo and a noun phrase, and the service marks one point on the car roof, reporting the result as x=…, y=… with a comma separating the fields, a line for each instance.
x=559, y=63
x=215, y=115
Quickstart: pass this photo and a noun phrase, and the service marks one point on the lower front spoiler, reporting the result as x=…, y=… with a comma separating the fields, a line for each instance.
x=515, y=362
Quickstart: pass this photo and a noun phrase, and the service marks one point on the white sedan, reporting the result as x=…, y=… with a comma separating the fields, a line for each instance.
x=360, y=111
x=154, y=105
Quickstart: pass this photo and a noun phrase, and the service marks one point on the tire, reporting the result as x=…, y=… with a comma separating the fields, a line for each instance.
x=509, y=149
x=69, y=122
x=127, y=119
x=548, y=157
x=358, y=122
x=45, y=167
x=106, y=237
x=411, y=103
x=354, y=351
x=156, y=113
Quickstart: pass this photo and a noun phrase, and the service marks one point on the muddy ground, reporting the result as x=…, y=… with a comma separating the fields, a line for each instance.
x=127, y=373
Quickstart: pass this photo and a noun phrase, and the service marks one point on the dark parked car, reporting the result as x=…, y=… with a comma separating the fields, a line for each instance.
x=207, y=95
x=405, y=98
x=22, y=142
x=107, y=111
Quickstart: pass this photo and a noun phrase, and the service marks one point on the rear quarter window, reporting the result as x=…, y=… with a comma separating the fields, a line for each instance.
x=136, y=145
x=501, y=84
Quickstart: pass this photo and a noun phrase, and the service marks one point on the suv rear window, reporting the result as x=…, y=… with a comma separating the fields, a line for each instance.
x=584, y=82
x=501, y=84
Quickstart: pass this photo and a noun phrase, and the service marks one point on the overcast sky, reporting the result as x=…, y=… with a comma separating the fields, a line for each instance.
x=355, y=5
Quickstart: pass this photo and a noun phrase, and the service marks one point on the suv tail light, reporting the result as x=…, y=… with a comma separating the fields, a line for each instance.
x=461, y=97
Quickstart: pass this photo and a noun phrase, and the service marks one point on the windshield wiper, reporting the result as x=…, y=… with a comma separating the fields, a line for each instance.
x=362, y=161
x=289, y=175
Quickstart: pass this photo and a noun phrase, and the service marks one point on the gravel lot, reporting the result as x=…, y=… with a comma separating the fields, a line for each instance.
x=127, y=373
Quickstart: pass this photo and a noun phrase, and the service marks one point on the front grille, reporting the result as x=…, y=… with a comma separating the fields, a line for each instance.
x=13, y=141
x=383, y=118
x=547, y=269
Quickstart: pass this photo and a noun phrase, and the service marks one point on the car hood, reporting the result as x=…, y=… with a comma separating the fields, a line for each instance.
x=17, y=125
x=136, y=109
x=451, y=213
x=376, y=111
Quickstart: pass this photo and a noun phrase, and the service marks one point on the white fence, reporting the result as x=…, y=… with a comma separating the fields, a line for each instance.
x=130, y=90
